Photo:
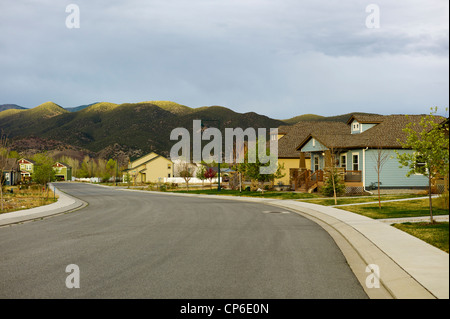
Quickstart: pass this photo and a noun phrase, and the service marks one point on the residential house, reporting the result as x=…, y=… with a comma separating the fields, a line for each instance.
x=63, y=172
x=352, y=148
x=26, y=168
x=289, y=137
x=149, y=168
x=11, y=173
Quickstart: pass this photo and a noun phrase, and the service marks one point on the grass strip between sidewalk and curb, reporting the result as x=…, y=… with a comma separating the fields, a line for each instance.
x=436, y=234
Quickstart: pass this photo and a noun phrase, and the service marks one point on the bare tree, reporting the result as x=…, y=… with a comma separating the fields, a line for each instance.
x=5, y=162
x=187, y=172
x=331, y=165
x=381, y=156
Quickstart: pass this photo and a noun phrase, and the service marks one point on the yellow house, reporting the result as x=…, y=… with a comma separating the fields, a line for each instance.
x=288, y=156
x=150, y=168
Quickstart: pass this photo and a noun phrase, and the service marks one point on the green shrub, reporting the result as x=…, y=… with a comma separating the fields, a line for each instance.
x=327, y=188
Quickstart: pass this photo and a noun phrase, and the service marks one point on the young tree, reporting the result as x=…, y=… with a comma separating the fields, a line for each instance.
x=253, y=170
x=5, y=162
x=431, y=149
x=186, y=171
x=201, y=174
x=380, y=157
x=335, y=184
x=210, y=174
x=43, y=169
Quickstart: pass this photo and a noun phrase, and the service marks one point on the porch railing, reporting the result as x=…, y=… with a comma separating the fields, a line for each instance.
x=353, y=176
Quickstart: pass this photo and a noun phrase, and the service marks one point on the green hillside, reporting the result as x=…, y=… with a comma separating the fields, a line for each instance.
x=304, y=117
x=134, y=128
x=143, y=127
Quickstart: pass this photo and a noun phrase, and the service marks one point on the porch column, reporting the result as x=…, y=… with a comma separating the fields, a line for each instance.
x=302, y=160
x=327, y=163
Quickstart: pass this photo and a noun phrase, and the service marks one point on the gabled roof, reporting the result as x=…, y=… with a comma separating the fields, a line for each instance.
x=157, y=156
x=297, y=133
x=29, y=161
x=144, y=163
x=63, y=164
x=388, y=133
x=11, y=164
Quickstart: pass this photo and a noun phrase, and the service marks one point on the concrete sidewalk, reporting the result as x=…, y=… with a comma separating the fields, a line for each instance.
x=64, y=204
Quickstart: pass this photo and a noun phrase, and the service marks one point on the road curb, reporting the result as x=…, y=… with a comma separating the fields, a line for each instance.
x=65, y=204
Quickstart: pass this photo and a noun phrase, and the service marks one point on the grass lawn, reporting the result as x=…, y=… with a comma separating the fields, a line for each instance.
x=435, y=234
x=25, y=199
x=358, y=199
x=267, y=194
x=412, y=208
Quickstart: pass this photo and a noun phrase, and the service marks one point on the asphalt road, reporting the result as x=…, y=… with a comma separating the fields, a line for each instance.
x=138, y=245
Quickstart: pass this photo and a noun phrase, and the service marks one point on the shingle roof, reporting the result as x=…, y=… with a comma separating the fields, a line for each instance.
x=296, y=134
x=386, y=134
x=11, y=164
x=367, y=118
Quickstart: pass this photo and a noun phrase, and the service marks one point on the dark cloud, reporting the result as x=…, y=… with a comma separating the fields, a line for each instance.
x=279, y=58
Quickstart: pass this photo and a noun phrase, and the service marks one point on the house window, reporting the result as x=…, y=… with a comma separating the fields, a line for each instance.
x=169, y=166
x=356, y=127
x=168, y=175
x=314, y=142
x=343, y=162
x=316, y=163
x=355, y=162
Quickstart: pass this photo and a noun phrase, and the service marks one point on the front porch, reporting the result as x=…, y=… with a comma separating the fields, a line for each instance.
x=307, y=181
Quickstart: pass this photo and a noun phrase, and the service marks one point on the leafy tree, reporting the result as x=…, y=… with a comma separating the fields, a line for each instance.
x=431, y=149
x=110, y=170
x=253, y=170
x=209, y=175
x=43, y=169
x=72, y=162
x=201, y=174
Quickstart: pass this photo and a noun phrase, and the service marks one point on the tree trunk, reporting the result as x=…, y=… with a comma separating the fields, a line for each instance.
x=430, y=200
x=379, y=196
x=334, y=187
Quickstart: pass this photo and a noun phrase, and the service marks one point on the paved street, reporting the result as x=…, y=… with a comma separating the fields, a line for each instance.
x=138, y=245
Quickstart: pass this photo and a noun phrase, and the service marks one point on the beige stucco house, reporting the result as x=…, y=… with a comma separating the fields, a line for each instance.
x=150, y=168
x=288, y=156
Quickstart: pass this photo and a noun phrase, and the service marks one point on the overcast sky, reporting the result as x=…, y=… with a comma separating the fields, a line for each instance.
x=280, y=58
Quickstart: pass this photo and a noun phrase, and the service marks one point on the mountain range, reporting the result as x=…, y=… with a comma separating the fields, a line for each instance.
x=130, y=129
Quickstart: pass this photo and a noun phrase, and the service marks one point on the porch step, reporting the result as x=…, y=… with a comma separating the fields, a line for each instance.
x=312, y=188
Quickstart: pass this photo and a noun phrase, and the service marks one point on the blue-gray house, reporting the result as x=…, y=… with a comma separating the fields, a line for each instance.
x=353, y=148
x=10, y=174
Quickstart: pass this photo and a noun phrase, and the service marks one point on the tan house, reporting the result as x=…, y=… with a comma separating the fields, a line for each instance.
x=150, y=168
x=289, y=137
